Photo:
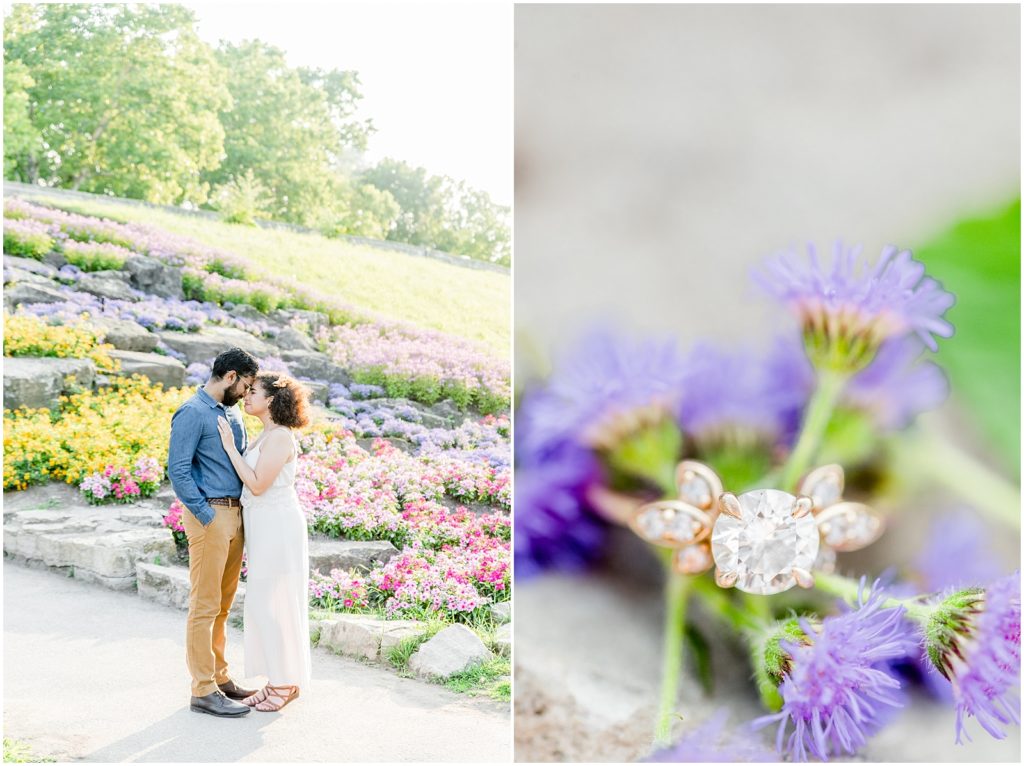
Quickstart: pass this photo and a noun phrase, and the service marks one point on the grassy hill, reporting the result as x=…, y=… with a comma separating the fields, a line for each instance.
x=470, y=303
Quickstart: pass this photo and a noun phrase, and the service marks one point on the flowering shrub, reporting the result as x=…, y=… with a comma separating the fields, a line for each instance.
x=422, y=365
x=121, y=485
x=113, y=427
x=95, y=256
x=28, y=336
x=340, y=591
x=27, y=238
x=172, y=521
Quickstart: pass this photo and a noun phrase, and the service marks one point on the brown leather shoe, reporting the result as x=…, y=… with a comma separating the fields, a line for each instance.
x=234, y=691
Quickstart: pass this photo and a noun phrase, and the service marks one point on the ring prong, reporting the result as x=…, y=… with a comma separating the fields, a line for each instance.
x=725, y=579
x=729, y=504
x=802, y=506
x=803, y=578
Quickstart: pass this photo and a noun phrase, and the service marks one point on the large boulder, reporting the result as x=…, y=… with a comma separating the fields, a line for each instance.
x=326, y=554
x=107, y=284
x=291, y=338
x=365, y=636
x=28, y=292
x=314, y=320
x=245, y=311
x=168, y=372
x=503, y=639
x=154, y=277
x=38, y=382
x=206, y=345
x=31, y=265
x=315, y=366
x=169, y=585
x=124, y=334
x=318, y=390
x=14, y=275
x=453, y=650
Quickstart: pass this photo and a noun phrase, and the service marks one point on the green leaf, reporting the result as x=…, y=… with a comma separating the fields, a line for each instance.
x=979, y=261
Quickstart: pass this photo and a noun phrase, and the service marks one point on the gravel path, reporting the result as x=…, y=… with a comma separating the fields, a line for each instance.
x=96, y=675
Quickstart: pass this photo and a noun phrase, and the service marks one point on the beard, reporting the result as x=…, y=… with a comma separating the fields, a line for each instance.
x=230, y=398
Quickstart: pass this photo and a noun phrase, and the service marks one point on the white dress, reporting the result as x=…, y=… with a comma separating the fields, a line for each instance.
x=276, y=612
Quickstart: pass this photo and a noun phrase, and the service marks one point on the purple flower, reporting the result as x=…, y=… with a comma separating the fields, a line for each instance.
x=895, y=387
x=554, y=528
x=605, y=380
x=974, y=640
x=834, y=694
x=847, y=311
x=708, y=743
x=729, y=392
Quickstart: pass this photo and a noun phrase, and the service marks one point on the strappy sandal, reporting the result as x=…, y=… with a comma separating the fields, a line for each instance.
x=261, y=700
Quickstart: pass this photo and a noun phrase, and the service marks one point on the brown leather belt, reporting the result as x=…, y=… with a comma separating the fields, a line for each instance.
x=227, y=502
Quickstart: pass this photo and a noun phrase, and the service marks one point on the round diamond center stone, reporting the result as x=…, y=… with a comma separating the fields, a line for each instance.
x=764, y=546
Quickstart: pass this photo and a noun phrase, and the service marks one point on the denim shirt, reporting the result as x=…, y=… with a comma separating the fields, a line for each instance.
x=197, y=464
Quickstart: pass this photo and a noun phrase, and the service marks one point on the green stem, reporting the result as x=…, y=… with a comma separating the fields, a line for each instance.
x=848, y=590
x=677, y=589
x=819, y=413
x=946, y=464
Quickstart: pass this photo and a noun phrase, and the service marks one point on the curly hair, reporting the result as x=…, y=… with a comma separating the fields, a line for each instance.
x=290, y=405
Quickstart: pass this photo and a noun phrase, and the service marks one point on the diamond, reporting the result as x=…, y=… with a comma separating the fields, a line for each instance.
x=693, y=559
x=766, y=543
x=826, y=492
x=849, y=526
x=695, y=490
x=666, y=524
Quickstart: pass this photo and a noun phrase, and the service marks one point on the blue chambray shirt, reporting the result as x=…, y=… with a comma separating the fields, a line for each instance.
x=197, y=464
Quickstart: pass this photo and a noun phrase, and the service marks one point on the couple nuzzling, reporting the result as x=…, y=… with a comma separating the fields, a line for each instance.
x=243, y=494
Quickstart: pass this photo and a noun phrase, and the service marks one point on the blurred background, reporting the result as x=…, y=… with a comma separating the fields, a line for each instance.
x=663, y=151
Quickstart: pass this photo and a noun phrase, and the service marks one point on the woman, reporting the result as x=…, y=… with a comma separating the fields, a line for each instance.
x=276, y=611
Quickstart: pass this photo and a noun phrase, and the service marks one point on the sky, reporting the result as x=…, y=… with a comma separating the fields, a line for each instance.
x=436, y=78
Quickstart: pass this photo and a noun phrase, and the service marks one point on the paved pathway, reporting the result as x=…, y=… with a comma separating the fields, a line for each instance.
x=96, y=675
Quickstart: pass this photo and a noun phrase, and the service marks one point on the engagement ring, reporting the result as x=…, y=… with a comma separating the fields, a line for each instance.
x=763, y=541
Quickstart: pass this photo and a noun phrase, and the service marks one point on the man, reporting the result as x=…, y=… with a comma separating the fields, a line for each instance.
x=205, y=481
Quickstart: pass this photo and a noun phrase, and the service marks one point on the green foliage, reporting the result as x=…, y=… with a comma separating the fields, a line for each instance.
x=27, y=245
x=398, y=655
x=979, y=261
x=125, y=98
x=22, y=139
x=488, y=677
x=281, y=129
x=18, y=752
x=443, y=214
x=242, y=199
x=364, y=211
x=94, y=259
x=771, y=661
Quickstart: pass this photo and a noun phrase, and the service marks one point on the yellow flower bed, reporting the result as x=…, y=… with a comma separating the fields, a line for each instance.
x=90, y=432
x=26, y=335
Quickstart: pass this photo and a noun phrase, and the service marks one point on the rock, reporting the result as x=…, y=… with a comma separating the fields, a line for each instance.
x=502, y=611
x=206, y=345
x=314, y=320
x=124, y=334
x=427, y=417
x=142, y=517
x=503, y=639
x=39, y=381
x=107, y=558
x=453, y=650
x=55, y=259
x=448, y=410
x=31, y=265
x=154, y=277
x=315, y=366
x=326, y=554
x=107, y=284
x=169, y=585
x=28, y=292
x=359, y=635
x=13, y=276
x=318, y=390
x=168, y=372
x=245, y=311
x=294, y=340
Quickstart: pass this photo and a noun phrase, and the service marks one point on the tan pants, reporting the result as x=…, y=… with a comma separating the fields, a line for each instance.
x=214, y=563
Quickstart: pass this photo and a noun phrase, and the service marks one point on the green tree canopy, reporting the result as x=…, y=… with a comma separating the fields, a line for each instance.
x=125, y=99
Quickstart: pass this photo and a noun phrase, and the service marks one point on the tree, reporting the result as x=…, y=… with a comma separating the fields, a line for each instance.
x=419, y=196
x=287, y=126
x=125, y=98
x=22, y=141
